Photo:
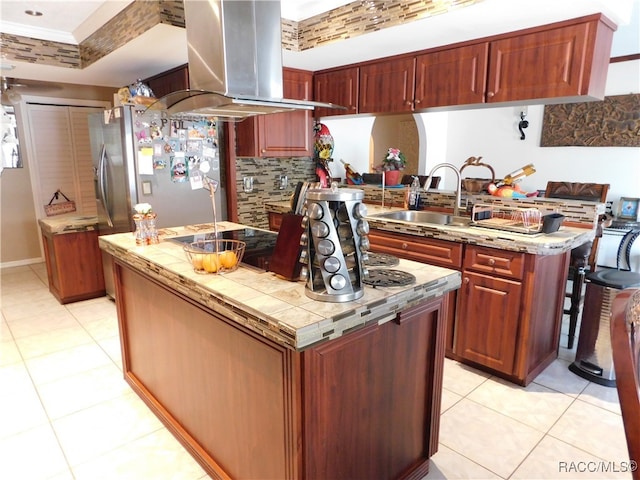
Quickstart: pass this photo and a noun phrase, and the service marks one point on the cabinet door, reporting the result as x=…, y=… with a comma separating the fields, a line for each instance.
x=387, y=86
x=487, y=321
x=538, y=65
x=169, y=81
x=339, y=87
x=280, y=134
x=455, y=76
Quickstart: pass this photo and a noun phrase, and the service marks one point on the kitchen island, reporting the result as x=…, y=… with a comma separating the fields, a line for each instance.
x=259, y=381
x=506, y=318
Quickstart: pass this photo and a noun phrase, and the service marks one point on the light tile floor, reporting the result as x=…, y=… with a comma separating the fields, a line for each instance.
x=66, y=412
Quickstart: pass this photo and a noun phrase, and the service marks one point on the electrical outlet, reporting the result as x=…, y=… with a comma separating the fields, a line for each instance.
x=247, y=184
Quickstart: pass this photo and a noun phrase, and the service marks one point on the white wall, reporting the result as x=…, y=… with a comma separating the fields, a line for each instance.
x=492, y=133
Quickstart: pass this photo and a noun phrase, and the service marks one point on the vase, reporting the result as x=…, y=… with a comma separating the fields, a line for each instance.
x=392, y=177
x=140, y=233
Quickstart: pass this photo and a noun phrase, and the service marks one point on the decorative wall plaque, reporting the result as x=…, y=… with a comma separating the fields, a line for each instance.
x=612, y=122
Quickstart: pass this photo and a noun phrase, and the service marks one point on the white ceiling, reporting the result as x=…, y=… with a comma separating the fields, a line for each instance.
x=164, y=47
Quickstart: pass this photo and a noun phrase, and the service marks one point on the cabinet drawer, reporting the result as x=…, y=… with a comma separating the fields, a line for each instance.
x=498, y=262
x=419, y=249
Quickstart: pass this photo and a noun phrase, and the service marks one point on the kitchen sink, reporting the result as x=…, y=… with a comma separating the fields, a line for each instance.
x=417, y=216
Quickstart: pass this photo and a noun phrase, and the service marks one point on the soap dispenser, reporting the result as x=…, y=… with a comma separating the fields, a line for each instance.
x=414, y=194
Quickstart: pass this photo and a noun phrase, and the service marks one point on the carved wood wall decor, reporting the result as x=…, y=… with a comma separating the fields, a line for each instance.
x=613, y=122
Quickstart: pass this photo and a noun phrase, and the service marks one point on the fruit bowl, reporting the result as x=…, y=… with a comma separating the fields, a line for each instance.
x=215, y=256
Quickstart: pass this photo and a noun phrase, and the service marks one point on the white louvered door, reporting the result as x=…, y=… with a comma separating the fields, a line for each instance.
x=61, y=158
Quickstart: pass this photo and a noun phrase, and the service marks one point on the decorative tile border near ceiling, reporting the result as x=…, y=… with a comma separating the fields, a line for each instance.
x=361, y=17
x=130, y=23
x=348, y=21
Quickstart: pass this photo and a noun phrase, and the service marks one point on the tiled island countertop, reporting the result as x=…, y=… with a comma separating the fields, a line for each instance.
x=276, y=308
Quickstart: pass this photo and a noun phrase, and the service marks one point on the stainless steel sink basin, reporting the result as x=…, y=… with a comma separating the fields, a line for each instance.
x=416, y=216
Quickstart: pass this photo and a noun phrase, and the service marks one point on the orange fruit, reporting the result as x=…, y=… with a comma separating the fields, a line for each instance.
x=210, y=263
x=228, y=259
x=197, y=260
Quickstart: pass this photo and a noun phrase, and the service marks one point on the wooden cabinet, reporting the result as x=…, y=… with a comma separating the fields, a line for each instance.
x=286, y=134
x=455, y=76
x=506, y=316
x=488, y=309
x=387, y=86
x=74, y=265
x=340, y=87
x=420, y=249
x=564, y=62
x=568, y=61
x=425, y=250
x=170, y=81
x=365, y=405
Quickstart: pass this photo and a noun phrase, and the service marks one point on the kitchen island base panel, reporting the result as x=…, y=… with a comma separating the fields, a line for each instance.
x=366, y=405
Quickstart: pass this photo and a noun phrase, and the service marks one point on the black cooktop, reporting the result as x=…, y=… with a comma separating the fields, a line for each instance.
x=259, y=243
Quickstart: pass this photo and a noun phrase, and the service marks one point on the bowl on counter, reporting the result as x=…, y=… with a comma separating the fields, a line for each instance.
x=215, y=256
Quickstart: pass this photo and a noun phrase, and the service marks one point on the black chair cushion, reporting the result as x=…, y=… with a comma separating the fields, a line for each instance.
x=618, y=279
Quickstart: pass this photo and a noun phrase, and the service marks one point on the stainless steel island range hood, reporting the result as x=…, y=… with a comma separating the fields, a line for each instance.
x=235, y=61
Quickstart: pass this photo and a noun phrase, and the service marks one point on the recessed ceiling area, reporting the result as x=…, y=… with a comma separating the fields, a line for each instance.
x=164, y=47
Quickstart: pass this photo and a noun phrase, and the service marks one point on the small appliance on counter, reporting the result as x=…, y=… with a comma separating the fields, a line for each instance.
x=334, y=243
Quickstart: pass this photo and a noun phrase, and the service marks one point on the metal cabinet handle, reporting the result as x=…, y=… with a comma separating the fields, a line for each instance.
x=492, y=261
x=404, y=246
x=466, y=280
x=490, y=94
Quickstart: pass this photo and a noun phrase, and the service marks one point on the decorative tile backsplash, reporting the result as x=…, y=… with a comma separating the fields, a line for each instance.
x=266, y=173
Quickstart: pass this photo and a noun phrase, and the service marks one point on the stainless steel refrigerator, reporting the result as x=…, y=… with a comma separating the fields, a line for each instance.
x=143, y=157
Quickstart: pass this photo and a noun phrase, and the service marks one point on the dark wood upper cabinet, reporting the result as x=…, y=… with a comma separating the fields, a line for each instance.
x=387, y=86
x=170, y=81
x=286, y=134
x=339, y=87
x=560, y=62
x=455, y=76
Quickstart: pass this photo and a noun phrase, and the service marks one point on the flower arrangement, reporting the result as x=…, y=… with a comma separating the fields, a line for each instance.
x=393, y=160
x=142, y=208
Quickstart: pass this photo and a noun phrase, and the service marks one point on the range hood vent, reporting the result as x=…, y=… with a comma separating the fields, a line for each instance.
x=235, y=62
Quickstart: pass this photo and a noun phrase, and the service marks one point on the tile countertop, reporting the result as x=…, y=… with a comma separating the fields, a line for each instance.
x=263, y=302
x=565, y=239
x=68, y=223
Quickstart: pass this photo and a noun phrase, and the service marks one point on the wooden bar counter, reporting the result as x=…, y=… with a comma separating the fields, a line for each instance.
x=258, y=381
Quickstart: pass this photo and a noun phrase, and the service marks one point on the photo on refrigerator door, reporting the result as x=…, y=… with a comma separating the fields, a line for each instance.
x=179, y=168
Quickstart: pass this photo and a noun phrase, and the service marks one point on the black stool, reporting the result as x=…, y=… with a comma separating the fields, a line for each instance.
x=594, y=360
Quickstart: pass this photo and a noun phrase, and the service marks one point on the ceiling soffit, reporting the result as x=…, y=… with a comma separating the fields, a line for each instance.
x=348, y=21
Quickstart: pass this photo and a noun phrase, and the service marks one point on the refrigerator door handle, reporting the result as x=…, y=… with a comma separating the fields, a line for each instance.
x=101, y=184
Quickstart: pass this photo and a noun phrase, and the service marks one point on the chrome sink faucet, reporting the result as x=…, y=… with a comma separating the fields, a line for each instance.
x=456, y=207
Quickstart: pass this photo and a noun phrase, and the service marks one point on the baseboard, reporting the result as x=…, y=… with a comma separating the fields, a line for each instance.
x=21, y=263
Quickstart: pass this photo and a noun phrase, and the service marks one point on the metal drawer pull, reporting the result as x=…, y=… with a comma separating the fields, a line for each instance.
x=492, y=261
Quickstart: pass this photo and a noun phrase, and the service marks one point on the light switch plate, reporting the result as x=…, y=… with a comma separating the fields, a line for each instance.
x=146, y=188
